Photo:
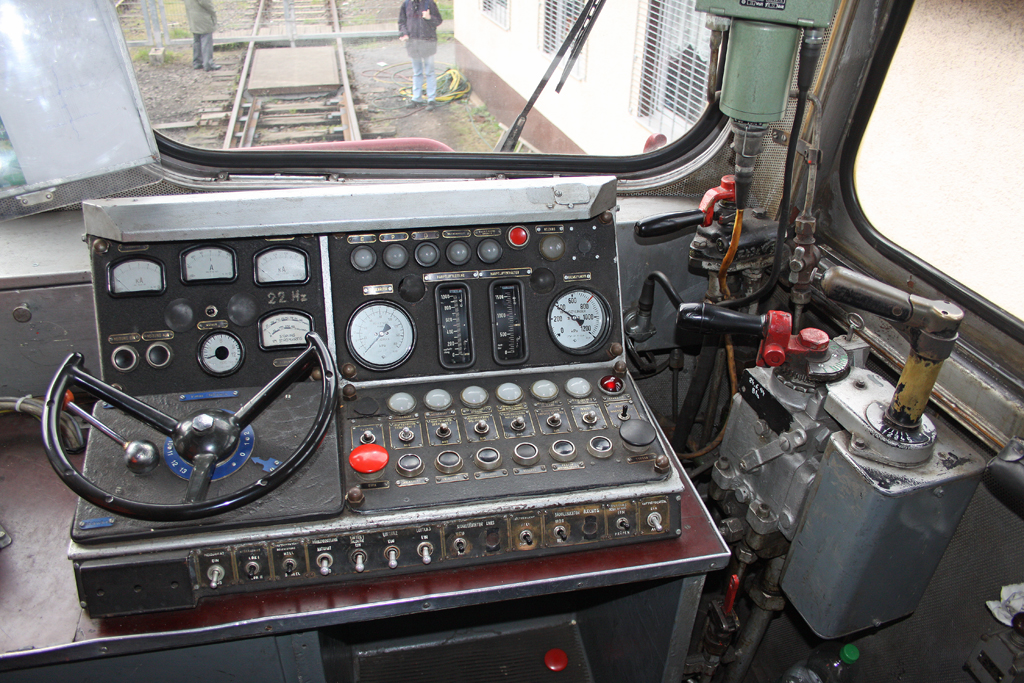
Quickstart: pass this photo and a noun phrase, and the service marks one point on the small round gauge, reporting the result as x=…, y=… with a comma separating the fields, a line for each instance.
x=284, y=329
x=279, y=265
x=137, y=276
x=579, y=320
x=208, y=263
x=220, y=353
x=381, y=335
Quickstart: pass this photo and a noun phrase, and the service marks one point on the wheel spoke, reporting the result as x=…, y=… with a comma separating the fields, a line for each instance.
x=258, y=403
x=202, y=475
x=158, y=420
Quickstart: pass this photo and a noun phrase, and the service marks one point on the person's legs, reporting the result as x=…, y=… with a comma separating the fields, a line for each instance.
x=207, y=49
x=197, y=51
x=431, y=78
x=417, y=80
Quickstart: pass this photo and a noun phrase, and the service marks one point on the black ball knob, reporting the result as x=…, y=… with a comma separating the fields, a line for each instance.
x=141, y=457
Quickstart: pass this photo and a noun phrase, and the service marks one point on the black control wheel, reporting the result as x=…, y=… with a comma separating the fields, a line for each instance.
x=204, y=438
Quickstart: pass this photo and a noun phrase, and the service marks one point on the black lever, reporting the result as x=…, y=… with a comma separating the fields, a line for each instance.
x=1005, y=475
x=708, y=319
x=668, y=223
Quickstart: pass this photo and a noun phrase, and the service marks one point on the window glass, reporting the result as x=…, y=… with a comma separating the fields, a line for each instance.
x=310, y=72
x=939, y=170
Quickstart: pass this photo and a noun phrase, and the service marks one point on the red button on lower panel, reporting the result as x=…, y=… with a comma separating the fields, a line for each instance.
x=556, y=659
x=518, y=236
x=368, y=460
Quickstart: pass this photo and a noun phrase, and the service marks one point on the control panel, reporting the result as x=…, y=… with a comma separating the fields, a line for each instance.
x=484, y=412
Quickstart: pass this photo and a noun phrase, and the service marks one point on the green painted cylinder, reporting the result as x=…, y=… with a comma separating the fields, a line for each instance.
x=758, y=70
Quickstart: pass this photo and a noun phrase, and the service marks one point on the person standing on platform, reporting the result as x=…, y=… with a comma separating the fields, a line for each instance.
x=417, y=28
x=202, y=21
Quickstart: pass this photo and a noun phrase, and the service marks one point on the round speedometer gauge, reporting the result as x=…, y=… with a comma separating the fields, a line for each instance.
x=579, y=320
x=380, y=335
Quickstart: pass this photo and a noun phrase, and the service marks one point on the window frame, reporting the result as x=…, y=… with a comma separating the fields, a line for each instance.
x=490, y=13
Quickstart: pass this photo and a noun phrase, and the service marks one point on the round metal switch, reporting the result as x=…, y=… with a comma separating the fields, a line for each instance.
x=563, y=450
x=526, y=454
x=448, y=462
x=637, y=435
x=409, y=465
x=487, y=459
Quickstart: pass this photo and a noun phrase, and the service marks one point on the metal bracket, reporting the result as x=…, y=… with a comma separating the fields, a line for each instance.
x=759, y=456
x=36, y=198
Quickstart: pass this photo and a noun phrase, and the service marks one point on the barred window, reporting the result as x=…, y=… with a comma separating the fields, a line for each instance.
x=496, y=11
x=559, y=17
x=674, y=69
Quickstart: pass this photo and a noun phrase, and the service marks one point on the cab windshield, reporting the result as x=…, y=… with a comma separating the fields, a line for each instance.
x=417, y=75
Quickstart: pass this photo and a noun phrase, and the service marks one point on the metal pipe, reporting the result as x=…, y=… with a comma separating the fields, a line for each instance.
x=747, y=643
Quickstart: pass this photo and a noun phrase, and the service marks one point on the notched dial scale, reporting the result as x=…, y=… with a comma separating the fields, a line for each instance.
x=281, y=265
x=135, y=277
x=284, y=329
x=380, y=335
x=579, y=320
x=208, y=264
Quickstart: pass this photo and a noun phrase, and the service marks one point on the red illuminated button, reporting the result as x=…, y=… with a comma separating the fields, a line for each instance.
x=610, y=384
x=518, y=237
x=368, y=460
x=556, y=659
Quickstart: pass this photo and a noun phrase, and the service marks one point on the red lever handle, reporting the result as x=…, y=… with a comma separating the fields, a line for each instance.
x=730, y=593
x=725, y=191
x=779, y=344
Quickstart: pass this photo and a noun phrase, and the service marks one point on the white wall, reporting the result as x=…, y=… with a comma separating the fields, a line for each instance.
x=594, y=111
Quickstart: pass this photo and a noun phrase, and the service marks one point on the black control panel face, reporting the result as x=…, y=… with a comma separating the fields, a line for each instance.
x=426, y=302
x=185, y=317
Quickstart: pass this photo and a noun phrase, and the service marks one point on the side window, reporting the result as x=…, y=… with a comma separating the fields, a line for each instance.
x=496, y=11
x=673, y=67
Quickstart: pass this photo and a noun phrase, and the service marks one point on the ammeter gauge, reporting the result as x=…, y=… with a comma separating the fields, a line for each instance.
x=579, y=320
x=284, y=329
x=281, y=265
x=380, y=335
x=135, y=277
x=220, y=353
x=208, y=264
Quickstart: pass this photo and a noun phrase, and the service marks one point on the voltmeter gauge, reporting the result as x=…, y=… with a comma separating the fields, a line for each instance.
x=208, y=264
x=135, y=277
x=454, y=329
x=284, y=329
x=508, y=323
x=380, y=335
x=579, y=320
x=281, y=265
x=220, y=353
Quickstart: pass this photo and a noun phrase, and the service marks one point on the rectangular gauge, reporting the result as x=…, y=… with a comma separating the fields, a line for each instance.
x=508, y=321
x=454, y=329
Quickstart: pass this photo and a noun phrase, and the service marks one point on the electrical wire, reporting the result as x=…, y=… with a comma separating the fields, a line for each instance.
x=27, y=405
x=734, y=245
x=731, y=356
x=451, y=83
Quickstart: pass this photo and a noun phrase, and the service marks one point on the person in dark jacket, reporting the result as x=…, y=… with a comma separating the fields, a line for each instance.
x=417, y=28
x=202, y=21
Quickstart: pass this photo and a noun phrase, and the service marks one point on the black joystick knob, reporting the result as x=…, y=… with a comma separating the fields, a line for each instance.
x=637, y=435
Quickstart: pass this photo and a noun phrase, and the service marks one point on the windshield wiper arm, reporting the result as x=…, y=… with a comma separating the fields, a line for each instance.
x=576, y=38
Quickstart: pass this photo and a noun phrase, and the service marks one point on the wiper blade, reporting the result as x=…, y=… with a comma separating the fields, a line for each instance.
x=575, y=39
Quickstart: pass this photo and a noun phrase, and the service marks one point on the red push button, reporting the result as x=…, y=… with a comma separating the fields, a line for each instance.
x=368, y=460
x=518, y=237
x=611, y=384
x=556, y=659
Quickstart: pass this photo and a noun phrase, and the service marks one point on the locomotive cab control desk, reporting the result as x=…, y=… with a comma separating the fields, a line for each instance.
x=481, y=429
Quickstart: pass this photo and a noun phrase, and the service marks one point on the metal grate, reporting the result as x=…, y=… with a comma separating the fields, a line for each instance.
x=496, y=11
x=671, y=76
x=559, y=16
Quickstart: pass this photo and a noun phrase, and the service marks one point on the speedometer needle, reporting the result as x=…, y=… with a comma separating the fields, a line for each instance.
x=380, y=334
x=577, y=320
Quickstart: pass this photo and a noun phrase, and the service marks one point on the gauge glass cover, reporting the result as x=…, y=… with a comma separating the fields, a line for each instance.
x=454, y=328
x=220, y=353
x=508, y=321
x=285, y=329
x=579, y=320
x=206, y=264
x=380, y=335
x=135, y=276
x=279, y=265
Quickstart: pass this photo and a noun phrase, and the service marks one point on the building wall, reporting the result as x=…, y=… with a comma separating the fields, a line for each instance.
x=594, y=110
